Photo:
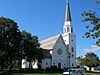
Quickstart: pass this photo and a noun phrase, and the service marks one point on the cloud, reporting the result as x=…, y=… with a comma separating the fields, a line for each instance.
x=92, y=49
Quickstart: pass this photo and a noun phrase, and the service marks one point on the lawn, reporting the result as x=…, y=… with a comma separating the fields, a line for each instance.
x=93, y=74
x=8, y=73
x=41, y=74
x=58, y=74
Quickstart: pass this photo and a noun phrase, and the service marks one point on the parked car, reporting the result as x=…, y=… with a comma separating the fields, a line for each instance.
x=74, y=71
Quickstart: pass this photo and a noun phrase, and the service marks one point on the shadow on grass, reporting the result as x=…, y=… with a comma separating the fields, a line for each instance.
x=8, y=73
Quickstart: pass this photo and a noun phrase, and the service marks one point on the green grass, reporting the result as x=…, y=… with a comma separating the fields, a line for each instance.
x=8, y=73
x=5, y=73
x=92, y=73
x=41, y=74
x=59, y=74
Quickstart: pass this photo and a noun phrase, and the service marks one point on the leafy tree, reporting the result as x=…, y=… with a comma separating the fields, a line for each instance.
x=31, y=49
x=16, y=45
x=9, y=40
x=97, y=1
x=94, y=26
x=79, y=59
x=90, y=60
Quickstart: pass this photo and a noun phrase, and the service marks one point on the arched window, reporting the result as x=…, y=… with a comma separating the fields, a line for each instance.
x=53, y=63
x=46, y=63
x=67, y=29
x=72, y=49
x=72, y=55
x=72, y=64
x=71, y=29
x=64, y=30
x=24, y=63
x=72, y=40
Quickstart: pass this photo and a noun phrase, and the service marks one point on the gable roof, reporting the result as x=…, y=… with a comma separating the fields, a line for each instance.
x=50, y=42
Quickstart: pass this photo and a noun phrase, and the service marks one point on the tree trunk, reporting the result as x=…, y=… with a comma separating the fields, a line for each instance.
x=2, y=66
x=10, y=65
x=90, y=68
x=20, y=67
x=30, y=65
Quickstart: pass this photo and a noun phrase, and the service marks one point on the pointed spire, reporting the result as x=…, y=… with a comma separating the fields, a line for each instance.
x=68, y=15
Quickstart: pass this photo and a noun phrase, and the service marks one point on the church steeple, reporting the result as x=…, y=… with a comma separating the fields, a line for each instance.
x=68, y=28
x=68, y=14
x=69, y=36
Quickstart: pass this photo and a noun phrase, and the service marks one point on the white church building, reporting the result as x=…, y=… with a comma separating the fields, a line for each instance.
x=61, y=49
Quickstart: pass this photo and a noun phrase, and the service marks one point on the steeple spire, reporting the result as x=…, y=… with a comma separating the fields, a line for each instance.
x=68, y=15
x=68, y=28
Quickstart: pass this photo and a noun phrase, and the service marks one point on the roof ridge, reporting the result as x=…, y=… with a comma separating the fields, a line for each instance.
x=51, y=38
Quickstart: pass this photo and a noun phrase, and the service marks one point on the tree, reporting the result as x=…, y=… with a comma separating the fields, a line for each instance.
x=90, y=60
x=16, y=45
x=94, y=26
x=31, y=49
x=97, y=1
x=9, y=40
x=79, y=59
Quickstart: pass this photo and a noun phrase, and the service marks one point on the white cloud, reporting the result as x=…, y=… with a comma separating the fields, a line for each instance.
x=92, y=49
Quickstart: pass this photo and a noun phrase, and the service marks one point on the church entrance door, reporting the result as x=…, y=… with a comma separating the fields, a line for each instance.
x=59, y=65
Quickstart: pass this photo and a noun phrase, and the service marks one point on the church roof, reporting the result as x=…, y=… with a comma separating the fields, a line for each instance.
x=50, y=42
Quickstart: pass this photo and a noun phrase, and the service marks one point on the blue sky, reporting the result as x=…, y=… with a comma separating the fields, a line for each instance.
x=45, y=18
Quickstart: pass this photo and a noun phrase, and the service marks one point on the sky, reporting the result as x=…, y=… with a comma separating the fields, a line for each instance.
x=45, y=18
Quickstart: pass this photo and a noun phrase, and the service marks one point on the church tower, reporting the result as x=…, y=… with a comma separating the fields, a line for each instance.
x=68, y=28
x=69, y=37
